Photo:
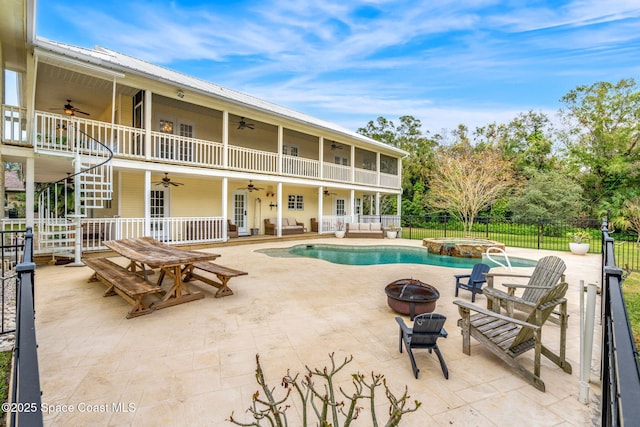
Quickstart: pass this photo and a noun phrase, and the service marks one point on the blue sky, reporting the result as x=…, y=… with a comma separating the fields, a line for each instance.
x=444, y=62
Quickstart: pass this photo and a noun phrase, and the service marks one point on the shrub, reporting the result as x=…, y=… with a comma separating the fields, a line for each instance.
x=328, y=407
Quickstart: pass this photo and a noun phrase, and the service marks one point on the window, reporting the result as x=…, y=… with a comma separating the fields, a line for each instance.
x=295, y=202
x=340, y=207
x=291, y=150
x=185, y=147
x=340, y=160
x=186, y=130
x=165, y=149
x=358, y=207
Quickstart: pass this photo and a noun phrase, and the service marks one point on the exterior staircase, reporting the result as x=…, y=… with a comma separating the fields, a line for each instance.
x=62, y=204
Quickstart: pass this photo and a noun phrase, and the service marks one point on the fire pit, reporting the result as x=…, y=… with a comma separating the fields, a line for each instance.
x=411, y=296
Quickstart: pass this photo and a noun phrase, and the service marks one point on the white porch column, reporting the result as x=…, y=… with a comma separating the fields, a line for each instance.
x=280, y=146
x=30, y=191
x=378, y=169
x=225, y=139
x=399, y=205
x=320, y=208
x=352, y=162
x=225, y=206
x=321, y=157
x=377, y=203
x=352, y=205
x=279, y=209
x=147, y=202
x=148, y=97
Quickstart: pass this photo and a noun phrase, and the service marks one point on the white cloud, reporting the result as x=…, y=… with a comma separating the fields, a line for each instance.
x=430, y=59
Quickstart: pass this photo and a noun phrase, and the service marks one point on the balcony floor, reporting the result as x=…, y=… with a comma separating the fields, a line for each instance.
x=194, y=364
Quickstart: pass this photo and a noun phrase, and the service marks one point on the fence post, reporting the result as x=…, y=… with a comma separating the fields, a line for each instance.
x=445, y=219
x=539, y=232
x=26, y=376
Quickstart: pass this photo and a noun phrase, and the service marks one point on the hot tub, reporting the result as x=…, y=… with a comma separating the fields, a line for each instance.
x=466, y=248
x=411, y=296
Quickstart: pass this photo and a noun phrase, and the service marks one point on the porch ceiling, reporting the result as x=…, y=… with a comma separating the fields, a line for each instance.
x=92, y=94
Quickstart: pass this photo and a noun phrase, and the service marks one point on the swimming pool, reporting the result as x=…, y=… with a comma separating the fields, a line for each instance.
x=383, y=254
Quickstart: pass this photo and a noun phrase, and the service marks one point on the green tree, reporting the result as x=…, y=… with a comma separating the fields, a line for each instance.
x=548, y=195
x=408, y=136
x=603, y=143
x=629, y=218
x=527, y=141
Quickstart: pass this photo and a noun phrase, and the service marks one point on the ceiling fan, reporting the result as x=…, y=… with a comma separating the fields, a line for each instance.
x=243, y=124
x=70, y=110
x=166, y=181
x=251, y=187
x=335, y=146
x=327, y=193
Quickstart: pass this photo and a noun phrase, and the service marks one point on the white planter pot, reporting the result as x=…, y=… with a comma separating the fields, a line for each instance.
x=340, y=234
x=579, y=248
x=392, y=234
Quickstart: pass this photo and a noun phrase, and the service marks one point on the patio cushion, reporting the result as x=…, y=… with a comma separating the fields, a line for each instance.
x=375, y=226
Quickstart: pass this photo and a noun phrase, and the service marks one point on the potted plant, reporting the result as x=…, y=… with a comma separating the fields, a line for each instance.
x=392, y=231
x=580, y=241
x=339, y=231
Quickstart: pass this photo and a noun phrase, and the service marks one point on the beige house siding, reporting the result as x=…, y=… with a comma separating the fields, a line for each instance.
x=132, y=195
x=195, y=198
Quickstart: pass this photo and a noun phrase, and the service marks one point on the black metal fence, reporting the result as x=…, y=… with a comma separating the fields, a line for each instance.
x=535, y=233
x=25, y=403
x=11, y=252
x=620, y=372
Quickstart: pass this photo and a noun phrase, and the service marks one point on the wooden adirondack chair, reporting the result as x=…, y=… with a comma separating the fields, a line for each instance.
x=508, y=338
x=427, y=328
x=548, y=272
x=474, y=280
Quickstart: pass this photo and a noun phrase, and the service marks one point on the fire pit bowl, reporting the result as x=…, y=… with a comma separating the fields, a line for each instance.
x=411, y=296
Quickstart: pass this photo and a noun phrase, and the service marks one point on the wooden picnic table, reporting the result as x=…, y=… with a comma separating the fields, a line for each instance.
x=172, y=261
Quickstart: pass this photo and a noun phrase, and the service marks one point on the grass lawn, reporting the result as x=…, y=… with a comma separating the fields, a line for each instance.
x=5, y=366
x=631, y=291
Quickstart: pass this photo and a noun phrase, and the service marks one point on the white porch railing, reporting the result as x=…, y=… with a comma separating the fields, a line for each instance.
x=331, y=223
x=386, y=220
x=388, y=180
x=248, y=159
x=95, y=231
x=176, y=230
x=298, y=166
x=129, y=143
x=14, y=124
x=13, y=224
x=364, y=176
x=183, y=150
x=337, y=172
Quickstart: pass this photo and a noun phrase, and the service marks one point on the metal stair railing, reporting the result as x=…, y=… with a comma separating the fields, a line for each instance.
x=93, y=185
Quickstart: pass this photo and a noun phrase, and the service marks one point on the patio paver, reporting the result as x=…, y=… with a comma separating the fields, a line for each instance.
x=293, y=312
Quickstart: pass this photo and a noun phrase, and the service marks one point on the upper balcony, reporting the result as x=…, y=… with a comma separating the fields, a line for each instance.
x=52, y=134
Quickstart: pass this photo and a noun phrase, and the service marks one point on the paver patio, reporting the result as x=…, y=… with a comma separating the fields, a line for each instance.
x=194, y=364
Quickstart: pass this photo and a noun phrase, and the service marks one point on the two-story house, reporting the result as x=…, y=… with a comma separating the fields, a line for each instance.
x=139, y=149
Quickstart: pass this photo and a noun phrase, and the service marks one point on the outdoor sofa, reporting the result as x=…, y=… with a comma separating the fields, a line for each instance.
x=361, y=229
x=289, y=226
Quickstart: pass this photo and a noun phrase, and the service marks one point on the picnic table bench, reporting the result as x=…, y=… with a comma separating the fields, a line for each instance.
x=224, y=274
x=129, y=285
x=174, y=262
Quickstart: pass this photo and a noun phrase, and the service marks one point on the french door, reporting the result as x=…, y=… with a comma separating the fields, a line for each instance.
x=159, y=204
x=239, y=214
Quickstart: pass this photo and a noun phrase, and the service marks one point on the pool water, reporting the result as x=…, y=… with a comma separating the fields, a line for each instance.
x=372, y=255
